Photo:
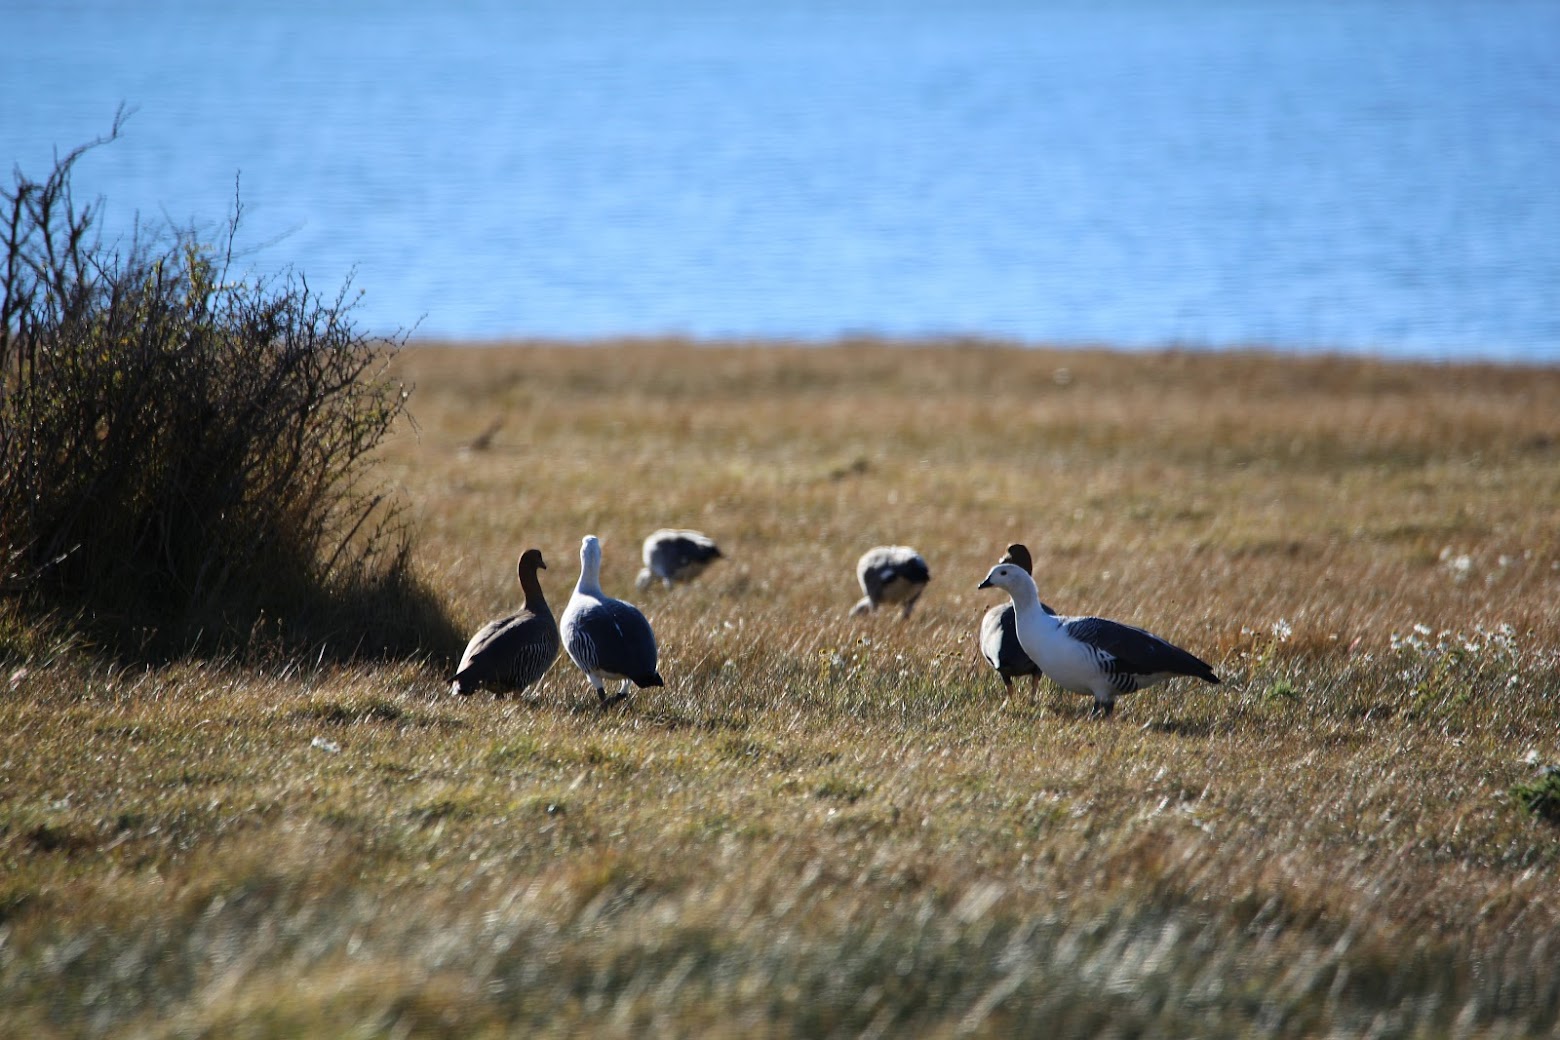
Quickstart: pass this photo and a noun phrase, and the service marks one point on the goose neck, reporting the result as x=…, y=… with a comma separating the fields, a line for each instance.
x=531, y=587
x=590, y=576
x=1026, y=598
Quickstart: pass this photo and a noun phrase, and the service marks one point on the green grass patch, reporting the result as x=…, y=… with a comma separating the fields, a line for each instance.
x=1541, y=797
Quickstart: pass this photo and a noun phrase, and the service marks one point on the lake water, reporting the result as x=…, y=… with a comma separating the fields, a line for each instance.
x=1359, y=175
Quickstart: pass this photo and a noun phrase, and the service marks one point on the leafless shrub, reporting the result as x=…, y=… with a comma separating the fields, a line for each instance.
x=184, y=449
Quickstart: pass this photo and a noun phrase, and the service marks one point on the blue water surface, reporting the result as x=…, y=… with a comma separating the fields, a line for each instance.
x=1376, y=176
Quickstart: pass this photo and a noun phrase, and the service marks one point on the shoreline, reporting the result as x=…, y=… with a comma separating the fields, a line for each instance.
x=1249, y=352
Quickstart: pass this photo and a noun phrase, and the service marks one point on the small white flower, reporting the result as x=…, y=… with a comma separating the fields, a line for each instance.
x=1282, y=630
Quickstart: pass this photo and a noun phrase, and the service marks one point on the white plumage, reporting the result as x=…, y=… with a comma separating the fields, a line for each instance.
x=1091, y=655
x=672, y=556
x=606, y=638
x=999, y=635
x=890, y=574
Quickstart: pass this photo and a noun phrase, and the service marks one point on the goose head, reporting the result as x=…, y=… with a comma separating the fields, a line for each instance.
x=1007, y=576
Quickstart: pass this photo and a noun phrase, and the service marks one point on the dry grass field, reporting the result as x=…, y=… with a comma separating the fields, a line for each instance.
x=829, y=827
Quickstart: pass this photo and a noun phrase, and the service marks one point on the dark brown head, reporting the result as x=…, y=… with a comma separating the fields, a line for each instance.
x=531, y=562
x=1018, y=555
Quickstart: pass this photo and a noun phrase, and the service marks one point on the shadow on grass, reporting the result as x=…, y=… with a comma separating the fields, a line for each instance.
x=389, y=617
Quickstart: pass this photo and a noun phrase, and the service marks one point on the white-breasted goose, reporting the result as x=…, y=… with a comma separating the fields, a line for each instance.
x=998, y=635
x=1091, y=655
x=673, y=556
x=888, y=575
x=605, y=637
x=515, y=651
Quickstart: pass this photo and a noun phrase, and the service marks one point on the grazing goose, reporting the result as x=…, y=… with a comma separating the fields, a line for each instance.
x=998, y=636
x=675, y=556
x=515, y=651
x=605, y=637
x=890, y=574
x=1088, y=654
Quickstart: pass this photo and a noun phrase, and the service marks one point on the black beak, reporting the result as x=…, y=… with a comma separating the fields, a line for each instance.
x=985, y=584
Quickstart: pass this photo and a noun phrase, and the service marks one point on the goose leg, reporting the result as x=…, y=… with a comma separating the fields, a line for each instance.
x=621, y=695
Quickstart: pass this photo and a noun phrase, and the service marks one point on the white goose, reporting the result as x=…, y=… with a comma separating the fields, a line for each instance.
x=999, y=633
x=605, y=637
x=1091, y=655
x=672, y=556
x=890, y=574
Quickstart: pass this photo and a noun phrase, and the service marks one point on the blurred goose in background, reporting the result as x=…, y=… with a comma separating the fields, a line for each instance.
x=1091, y=655
x=999, y=635
x=890, y=574
x=515, y=651
x=605, y=637
x=674, y=556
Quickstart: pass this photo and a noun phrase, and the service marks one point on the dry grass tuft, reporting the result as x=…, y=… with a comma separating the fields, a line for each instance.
x=832, y=827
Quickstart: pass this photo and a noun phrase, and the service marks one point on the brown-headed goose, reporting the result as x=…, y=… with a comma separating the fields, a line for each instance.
x=515, y=651
x=605, y=637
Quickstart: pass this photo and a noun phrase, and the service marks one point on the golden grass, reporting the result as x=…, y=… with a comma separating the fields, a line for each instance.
x=825, y=826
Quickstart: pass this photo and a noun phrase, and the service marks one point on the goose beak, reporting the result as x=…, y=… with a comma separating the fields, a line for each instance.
x=985, y=584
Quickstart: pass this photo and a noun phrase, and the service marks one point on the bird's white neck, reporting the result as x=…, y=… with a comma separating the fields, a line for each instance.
x=590, y=569
x=1026, y=600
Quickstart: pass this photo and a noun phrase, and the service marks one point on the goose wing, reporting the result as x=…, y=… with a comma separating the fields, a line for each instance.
x=672, y=555
x=1137, y=651
x=515, y=649
x=876, y=579
x=614, y=638
x=912, y=568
